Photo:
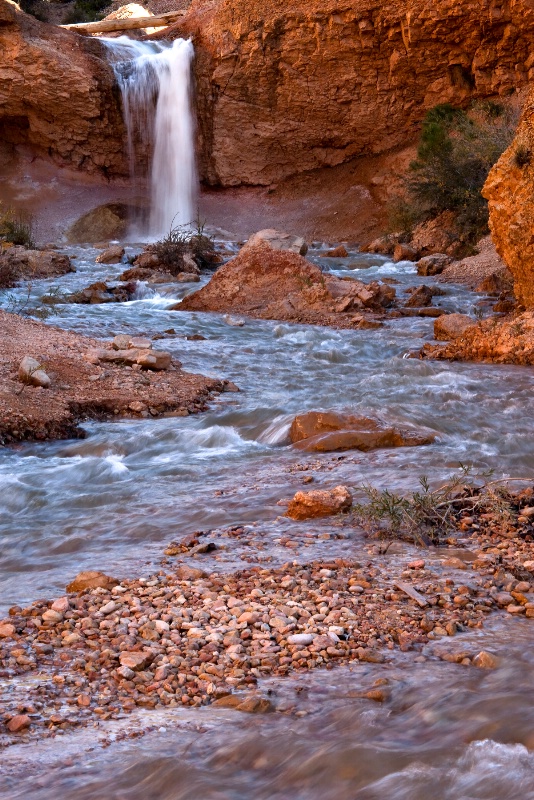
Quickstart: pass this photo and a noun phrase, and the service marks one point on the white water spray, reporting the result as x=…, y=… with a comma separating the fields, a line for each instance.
x=155, y=82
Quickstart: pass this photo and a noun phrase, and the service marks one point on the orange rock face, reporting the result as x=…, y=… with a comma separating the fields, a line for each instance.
x=56, y=96
x=286, y=87
x=506, y=341
x=510, y=192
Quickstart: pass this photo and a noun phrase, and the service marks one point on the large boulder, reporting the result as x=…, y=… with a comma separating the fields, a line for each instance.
x=327, y=431
x=58, y=98
x=284, y=88
x=278, y=284
x=109, y=221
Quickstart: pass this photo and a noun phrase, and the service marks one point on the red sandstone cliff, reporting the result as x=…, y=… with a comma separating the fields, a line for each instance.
x=285, y=87
x=510, y=192
x=57, y=97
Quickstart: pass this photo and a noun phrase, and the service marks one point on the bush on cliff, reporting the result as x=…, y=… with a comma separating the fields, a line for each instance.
x=456, y=151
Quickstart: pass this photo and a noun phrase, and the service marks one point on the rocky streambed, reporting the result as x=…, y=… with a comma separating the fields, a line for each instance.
x=393, y=669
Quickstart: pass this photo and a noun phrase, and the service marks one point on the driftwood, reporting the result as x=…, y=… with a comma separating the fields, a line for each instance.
x=129, y=24
x=411, y=592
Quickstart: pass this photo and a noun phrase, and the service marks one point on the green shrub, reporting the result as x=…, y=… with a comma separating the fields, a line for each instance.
x=16, y=227
x=456, y=151
x=86, y=11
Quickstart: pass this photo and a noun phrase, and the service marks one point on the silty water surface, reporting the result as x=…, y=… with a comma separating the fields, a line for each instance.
x=113, y=500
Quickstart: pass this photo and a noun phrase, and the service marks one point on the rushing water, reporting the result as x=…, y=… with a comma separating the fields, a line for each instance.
x=113, y=500
x=155, y=82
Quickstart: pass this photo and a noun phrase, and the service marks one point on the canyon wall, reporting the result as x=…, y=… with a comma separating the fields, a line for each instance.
x=285, y=87
x=57, y=97
x=510, y=192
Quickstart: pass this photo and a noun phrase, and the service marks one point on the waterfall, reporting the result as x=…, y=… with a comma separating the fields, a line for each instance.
x=155, y=82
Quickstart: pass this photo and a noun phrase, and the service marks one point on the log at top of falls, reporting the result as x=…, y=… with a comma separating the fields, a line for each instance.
x=131, y=23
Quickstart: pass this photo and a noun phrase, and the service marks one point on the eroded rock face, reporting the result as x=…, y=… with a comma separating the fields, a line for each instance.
x=510, y=192
x=285, y=88
x=57, y=96
x=506, y=341
x=327, y=431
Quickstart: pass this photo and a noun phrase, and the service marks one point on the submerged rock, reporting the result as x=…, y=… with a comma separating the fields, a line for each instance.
x=319, y=503
x=328, y=431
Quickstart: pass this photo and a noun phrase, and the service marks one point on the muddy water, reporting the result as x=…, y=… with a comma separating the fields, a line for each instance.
x=114, y=499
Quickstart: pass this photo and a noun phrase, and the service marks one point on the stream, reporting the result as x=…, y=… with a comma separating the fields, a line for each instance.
x=112, y=502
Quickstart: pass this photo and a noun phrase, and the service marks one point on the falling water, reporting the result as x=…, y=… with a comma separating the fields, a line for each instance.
x=155, y=80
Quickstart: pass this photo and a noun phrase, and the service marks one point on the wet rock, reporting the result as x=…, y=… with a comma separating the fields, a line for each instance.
x=101, y=292
x=485, y=660
x=327, y=431
x=420, y=297
x=91, y=580
x=452, y=326
x=404, y=252
x=113, y=255
x=18, y=723
x=18, y=263
x=188, y=277
x=384, y=245
x=338, y=252
x=32, y=373
x=255, y=705
x=276, y=240
x=319, y=503
x=433, y=265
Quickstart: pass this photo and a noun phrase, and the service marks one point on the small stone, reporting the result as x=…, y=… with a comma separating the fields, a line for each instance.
x=18, y=723
x=62, y=605
x=121, y=342
x=84, y=700
x=7, y=630
x=187, y=573
x=135, y=660
x=154, y=359
x=108, y=608
x=52, y=616
x=301, y=638
x=127, y=673
x=31, y=373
